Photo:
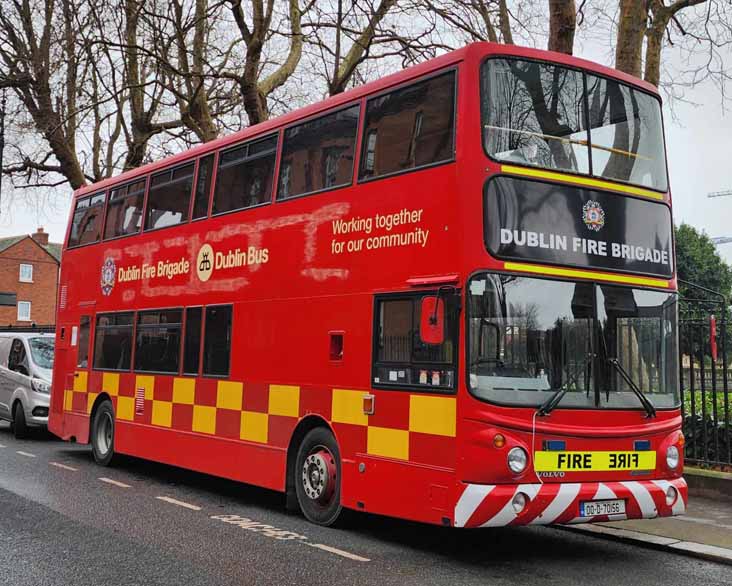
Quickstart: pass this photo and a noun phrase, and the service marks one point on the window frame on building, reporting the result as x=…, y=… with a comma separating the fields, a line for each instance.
x=27, y=279
x=28, y=304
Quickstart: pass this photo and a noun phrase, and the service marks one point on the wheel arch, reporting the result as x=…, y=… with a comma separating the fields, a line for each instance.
x=305, y=425
x=103, y=396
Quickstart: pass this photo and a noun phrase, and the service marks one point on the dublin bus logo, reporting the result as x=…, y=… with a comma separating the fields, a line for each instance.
x=593, y=215
x=109, y=272
x=204, y=262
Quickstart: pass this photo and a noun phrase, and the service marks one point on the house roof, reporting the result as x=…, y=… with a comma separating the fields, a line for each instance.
x=52, y=248
x=6, y=243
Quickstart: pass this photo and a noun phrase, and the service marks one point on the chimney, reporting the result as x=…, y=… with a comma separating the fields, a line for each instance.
x=41, y=237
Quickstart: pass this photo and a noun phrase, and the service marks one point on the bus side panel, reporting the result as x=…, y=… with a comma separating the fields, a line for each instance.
x=399, y=489
x=260, y=465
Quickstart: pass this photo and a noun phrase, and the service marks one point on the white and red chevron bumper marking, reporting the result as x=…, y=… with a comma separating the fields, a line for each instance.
x=489, y=505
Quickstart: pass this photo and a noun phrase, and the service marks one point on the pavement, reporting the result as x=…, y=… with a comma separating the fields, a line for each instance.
x=65, y=521
x=705, y=531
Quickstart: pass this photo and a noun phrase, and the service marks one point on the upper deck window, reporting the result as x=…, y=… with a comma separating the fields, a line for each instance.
x=86, y=226
x=170, y=196
x=203, y=187
x=410, y=127
x=124, y=212
x=550, y=116
x=319, y=154
x=244, y=176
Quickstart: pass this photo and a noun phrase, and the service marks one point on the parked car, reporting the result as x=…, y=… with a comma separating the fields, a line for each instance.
x=26, y=362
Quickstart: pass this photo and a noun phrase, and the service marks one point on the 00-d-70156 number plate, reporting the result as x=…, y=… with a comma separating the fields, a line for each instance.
x=609, y=507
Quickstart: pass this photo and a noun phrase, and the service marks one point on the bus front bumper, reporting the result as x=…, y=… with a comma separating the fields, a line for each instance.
x=486, y=505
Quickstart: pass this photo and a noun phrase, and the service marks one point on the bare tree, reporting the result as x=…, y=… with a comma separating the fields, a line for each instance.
x=34, y=39
x=343, y=34
x=255, y=88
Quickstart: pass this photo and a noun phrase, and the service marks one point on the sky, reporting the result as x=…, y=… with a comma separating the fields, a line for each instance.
x=698, y=140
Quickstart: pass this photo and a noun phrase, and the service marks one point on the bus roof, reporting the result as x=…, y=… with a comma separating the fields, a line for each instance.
x=474, y=49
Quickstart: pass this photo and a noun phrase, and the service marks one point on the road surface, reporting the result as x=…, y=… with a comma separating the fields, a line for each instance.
x=65, y=521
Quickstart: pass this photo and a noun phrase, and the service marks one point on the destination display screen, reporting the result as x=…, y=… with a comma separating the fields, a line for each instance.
x=560, y=224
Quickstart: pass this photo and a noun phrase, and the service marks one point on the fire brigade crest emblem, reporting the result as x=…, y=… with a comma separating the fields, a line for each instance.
x=109, y=275
x=593, y=215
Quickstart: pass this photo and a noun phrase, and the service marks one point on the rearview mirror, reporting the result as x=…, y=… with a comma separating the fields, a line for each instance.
x=432, y=321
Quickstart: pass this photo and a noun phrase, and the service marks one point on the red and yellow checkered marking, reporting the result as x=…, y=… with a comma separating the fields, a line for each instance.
x=406, y=427
x=425, y=414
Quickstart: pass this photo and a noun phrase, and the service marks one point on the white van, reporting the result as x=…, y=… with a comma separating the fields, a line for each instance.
x=26, y=363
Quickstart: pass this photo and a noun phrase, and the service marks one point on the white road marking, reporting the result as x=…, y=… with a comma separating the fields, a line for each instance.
x=26, y=454
x=173, y=501
x=115, y=482
x=281, y=534
x=3, y=446
x=340, y=552
x=64, y=466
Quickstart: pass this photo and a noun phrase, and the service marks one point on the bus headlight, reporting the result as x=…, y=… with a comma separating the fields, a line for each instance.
x=672, y=457
x=517, y=460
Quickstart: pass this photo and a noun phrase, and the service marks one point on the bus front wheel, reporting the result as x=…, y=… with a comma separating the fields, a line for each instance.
x=318, y=477
x=102, y=434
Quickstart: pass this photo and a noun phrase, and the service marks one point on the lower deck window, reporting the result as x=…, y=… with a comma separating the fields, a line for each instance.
x=401, y=356
x=113, y=341
x=157, y=346
x=217, y=340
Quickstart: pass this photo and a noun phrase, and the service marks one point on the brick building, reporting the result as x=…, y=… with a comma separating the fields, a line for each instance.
x=29, y=267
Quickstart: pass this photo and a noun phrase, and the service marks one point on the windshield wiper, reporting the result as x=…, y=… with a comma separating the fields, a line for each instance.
x=647, y=405
x=549, y=405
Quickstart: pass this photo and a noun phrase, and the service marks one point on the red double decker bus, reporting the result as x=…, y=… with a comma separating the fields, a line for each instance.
x=446, y=296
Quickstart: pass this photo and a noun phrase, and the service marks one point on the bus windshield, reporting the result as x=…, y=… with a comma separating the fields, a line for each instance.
x=554, y=117
x=530, y=337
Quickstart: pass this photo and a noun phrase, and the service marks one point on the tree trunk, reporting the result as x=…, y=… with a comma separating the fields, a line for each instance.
x=654, y=46
x=504, y=22
x=631, y=28
x=562, y=25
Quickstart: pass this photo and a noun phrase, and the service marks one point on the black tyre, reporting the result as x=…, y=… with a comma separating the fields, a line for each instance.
x=102, y=434
x=318, y=477
x=20, y=427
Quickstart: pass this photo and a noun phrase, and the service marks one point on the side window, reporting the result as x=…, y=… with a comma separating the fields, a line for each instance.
x=192, y=341
x=244, y=176
x=82, y=351
x=401, y=357
x=170, y=196
x=410, y=127
x=217, y=340
x=113, y=341
x=157, y=345
x=319, y=154
x=124, y=212
x=203, y=187
x=17, y=360
x=4, y=351
x=86, y=225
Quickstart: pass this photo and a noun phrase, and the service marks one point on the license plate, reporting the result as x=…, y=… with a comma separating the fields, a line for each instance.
x=609, y=507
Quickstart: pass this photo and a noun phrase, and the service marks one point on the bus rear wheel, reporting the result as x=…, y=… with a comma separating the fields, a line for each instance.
x=102, y=434
x=318, y=477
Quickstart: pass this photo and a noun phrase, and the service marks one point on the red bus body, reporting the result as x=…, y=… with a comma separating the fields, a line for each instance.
x=429, y=457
